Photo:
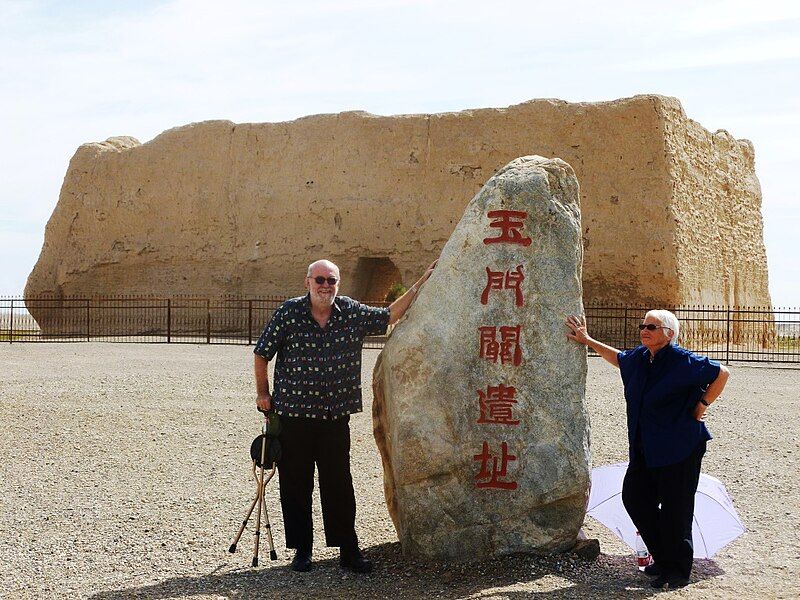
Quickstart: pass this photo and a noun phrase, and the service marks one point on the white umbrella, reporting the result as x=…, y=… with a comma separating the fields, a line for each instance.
x=715, y=523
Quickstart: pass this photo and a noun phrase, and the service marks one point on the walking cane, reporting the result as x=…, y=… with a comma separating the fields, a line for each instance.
x=265, y=448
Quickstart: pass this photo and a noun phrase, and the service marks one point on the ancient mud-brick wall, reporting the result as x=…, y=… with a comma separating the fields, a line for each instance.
x=716, y=202
x=671, y=212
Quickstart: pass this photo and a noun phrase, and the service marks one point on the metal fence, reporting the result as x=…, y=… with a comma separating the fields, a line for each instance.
x=178, y=319
x=724, y=333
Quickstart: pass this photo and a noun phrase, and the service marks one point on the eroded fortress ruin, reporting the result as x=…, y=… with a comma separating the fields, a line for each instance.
x=671, y=212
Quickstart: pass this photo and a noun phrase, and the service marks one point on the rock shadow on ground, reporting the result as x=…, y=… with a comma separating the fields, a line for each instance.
x=511, y=577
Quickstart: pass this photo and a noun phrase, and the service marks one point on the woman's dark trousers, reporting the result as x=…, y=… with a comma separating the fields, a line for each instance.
x=667, y=530
x=305, y=442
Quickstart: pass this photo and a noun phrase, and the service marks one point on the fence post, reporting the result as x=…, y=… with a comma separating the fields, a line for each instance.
x=169, y=320
x=88, y=332
x=728, y=336
x=249, y=322
x=11, y=326
x=625, y=331
x=208, y=321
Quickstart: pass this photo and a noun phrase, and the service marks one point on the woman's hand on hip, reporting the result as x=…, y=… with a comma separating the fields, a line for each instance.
x=699, y=411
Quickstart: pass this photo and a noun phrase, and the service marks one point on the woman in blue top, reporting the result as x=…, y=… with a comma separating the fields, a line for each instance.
x=667, y=392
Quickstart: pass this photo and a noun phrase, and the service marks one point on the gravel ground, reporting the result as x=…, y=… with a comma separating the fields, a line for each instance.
x=125, y=474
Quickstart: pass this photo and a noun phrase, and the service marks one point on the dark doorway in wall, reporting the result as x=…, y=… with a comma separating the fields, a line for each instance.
x=374, y=277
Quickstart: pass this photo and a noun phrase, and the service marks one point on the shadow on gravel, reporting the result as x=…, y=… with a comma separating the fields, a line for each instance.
x=513, y=577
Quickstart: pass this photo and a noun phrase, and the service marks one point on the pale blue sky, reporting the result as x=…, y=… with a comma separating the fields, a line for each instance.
x=72, y=72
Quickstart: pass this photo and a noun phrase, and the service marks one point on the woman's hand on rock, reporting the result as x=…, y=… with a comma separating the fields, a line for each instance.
x=578, y=330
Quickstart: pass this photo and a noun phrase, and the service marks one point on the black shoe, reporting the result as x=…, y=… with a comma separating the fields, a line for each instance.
x=671, y=582
x=353, y=560
x=301, y=561
x=659, y=582
x=676, y=581
x=652, y=570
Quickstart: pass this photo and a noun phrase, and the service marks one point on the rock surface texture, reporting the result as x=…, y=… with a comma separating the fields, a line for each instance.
x=478, y=405
x=671, y=212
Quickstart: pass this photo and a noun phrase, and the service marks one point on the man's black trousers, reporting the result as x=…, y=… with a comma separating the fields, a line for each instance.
x=305, y=442
x=667, y=530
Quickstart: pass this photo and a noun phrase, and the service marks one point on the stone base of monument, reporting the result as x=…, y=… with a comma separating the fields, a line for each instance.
x=478, y=408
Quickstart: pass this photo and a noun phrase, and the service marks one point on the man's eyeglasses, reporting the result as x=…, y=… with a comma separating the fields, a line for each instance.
x=320, y=280
x=651, y=327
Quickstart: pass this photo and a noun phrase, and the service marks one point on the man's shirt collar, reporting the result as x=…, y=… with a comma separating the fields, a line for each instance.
x=307, y=304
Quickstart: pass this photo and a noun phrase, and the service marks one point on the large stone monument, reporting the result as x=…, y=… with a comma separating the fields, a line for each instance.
x=479, y=407
x=671, y=211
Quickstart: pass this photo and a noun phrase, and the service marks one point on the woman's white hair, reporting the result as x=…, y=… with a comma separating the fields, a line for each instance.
x=667, y=319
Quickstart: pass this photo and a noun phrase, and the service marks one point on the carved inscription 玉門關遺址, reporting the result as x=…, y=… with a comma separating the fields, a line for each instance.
x=500, y=343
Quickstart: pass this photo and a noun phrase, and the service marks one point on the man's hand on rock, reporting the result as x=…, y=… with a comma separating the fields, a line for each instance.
x=418, y=284
x=429, y=271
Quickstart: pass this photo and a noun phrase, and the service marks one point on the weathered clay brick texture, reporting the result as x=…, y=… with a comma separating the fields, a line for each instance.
x=671, y=212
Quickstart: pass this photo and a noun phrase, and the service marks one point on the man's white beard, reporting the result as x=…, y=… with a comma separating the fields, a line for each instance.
x=325, y=299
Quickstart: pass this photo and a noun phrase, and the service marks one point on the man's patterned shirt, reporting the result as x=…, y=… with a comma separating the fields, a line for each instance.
x=318, y=371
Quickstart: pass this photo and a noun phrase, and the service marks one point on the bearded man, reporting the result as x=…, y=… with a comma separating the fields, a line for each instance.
x=317, y=386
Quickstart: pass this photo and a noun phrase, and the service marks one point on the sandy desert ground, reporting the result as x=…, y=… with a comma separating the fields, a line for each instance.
x=125, y=473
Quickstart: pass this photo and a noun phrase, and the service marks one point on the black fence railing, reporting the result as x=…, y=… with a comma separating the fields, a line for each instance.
x=724, y=333
x=178, y=319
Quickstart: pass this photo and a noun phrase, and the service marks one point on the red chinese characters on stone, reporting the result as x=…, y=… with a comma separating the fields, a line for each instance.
x=497, y=404
x=509, y=222
x=508, y=349
x=494, y=469
x=498, y=280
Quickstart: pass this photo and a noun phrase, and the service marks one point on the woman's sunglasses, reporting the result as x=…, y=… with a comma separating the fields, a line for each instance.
x=320, y=280
x=651, y=327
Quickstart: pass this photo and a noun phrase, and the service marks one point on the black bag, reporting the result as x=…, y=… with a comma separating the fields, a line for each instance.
x=273, y=450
